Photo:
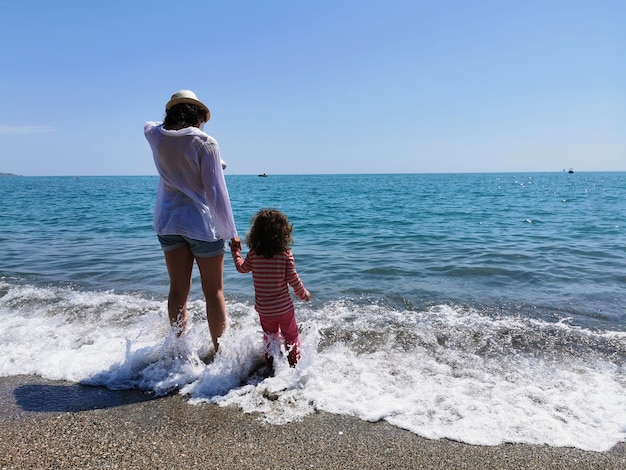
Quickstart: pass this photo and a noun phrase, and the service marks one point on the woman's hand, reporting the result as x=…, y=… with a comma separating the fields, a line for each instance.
x=235, y=244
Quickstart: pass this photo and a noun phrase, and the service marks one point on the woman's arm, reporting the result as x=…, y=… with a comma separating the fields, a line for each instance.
x=216, y=191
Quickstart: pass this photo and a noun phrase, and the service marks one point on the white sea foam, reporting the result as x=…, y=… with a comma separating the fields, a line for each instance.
x=445, y=372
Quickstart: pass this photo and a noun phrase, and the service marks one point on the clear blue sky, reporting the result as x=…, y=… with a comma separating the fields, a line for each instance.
x=331, y=86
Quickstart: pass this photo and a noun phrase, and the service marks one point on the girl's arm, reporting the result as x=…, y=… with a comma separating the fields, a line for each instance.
x=241, y=265
x=294, y=280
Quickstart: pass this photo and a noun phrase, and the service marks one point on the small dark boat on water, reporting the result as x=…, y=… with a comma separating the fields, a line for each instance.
x=263, y=175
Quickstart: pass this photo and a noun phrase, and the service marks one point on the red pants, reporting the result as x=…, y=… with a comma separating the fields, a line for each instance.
x=284, y=325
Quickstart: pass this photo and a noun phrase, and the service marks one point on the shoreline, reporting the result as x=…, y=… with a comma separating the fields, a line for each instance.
x=60, y=424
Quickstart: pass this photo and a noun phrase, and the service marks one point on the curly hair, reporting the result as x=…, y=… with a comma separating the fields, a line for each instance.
x=185, y=114
x=270, y=233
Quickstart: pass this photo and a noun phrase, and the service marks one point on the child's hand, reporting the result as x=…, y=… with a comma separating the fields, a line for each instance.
x=307, y=295
x=235, y=244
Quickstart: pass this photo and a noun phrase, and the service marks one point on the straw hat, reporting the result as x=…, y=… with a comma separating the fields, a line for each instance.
x=187, y=96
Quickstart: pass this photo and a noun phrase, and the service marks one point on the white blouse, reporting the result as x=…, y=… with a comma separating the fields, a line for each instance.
x=192, y=198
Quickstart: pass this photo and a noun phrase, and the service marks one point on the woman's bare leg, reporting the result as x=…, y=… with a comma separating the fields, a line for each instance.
x=179, y=267
x=211, y=274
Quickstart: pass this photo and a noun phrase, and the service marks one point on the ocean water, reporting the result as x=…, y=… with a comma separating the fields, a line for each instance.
x=484, y=308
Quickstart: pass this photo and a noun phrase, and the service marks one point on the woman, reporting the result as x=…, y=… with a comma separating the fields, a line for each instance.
x=192, y=215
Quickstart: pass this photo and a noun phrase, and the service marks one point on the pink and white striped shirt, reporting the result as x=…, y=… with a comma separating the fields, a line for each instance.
x=272, y=278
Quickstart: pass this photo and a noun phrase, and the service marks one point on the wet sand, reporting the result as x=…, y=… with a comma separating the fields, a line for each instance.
x=46, y=424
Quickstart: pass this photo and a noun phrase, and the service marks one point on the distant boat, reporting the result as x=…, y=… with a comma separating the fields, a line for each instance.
x=571, y=170
x=263, y=175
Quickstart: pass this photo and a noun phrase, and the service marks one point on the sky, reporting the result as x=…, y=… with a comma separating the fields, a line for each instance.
x=323, y=87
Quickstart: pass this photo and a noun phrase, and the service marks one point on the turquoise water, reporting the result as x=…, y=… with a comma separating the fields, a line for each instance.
x=540, y=244
x=508, y=284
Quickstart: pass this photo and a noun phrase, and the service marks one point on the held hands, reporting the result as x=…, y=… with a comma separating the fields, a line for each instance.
x=235, y=244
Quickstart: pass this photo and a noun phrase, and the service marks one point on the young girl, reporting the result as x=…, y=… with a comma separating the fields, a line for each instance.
x=273, y=271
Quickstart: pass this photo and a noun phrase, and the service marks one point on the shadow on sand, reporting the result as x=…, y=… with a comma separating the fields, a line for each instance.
x=74, y=397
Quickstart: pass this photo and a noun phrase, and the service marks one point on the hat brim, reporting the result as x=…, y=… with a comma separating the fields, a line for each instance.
x=176, y=101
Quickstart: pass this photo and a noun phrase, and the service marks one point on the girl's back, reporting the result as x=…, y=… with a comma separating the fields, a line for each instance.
x=272, y=277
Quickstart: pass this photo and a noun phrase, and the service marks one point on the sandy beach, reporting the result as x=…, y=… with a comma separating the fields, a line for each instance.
x=48, y=424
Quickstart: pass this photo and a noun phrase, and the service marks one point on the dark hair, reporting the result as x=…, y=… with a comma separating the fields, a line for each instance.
x=270, y=233
x=185, y=114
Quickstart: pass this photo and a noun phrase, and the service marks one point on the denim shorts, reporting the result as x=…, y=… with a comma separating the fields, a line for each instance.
x=198, y=248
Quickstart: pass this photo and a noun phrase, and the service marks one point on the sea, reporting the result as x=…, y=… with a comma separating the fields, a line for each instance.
x=483, y=308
